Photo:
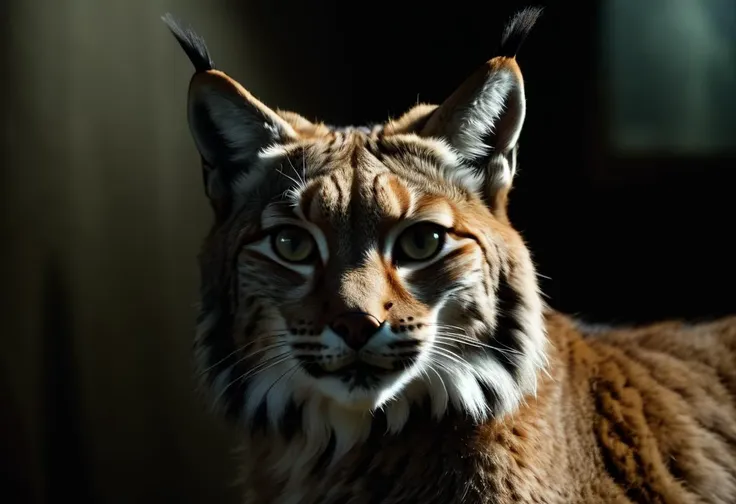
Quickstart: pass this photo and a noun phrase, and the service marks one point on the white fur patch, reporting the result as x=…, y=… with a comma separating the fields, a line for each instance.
x=471, y=125
x=446, y=378
x=454, y=167
x=478, y=118
x=330, y=409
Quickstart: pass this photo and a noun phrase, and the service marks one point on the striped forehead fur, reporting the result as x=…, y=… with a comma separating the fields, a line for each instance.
x=407, y=155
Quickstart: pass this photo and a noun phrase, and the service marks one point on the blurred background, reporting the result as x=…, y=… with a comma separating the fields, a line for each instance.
x=624, y=194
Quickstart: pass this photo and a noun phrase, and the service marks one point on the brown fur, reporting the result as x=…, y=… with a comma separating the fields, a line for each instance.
x=533, y=407
x=621, y=415
x=634, y=415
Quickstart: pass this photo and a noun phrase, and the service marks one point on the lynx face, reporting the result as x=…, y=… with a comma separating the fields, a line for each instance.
x=372, y=272
x=356, y=271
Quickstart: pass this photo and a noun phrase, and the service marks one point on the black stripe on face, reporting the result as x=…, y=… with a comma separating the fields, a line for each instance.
x=506, y=338
x=435, y=281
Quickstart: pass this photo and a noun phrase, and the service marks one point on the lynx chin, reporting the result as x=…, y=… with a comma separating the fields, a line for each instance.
x=371, y=320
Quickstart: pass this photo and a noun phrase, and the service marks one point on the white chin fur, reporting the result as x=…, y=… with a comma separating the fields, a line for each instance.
x=348, y=417
x=329, y=408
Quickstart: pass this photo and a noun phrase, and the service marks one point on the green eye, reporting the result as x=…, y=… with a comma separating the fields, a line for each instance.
x=294, y=244
x=419, y=242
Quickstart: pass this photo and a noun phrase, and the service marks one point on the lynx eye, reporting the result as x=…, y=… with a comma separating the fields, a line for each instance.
x=419, y=242
x=294, y=244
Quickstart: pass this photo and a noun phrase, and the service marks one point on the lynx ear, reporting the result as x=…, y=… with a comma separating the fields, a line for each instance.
x=229, y=126
x=484, y=117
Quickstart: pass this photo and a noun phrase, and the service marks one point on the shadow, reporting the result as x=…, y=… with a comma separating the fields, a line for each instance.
x=64, y=467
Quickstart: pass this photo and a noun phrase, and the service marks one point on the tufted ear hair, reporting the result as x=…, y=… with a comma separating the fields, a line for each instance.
x=230, y=126
x=484, y=117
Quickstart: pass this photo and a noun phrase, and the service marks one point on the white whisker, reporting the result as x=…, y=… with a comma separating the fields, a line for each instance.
x=259, y=368
x=239, y=349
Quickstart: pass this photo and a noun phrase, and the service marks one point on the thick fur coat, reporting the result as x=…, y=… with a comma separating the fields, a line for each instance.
x=372, y=319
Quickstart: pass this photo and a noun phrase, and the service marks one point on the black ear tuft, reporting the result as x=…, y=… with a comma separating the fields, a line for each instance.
x=192, y=44
x=517, y=29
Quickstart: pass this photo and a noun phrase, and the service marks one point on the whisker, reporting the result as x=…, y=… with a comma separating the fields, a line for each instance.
x=261, y=367
x=238, y=349
x=295, y=181
x=451, y=356
x=503, y=353
x=455, y=339
x=440, y=364
x=472, y=342
x=292, y=368
x=442, y=382
x=264, y=335
x=261, y=350
x=266, y=364
x=467, y=339
x=302, y=180
x=446, y=326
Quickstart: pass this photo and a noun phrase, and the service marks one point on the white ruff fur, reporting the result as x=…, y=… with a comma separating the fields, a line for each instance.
x=330, y=409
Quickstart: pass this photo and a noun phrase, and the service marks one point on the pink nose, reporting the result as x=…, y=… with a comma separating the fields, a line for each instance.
x=355, y=328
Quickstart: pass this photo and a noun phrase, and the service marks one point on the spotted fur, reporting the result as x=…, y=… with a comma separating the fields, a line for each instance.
x=468, y=388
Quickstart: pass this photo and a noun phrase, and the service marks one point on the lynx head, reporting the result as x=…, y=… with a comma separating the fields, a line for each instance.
x=357, y=271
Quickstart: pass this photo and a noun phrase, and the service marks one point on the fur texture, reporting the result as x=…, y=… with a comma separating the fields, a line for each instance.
x=371, y=319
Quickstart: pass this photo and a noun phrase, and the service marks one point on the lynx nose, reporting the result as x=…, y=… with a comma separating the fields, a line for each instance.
x=355, y=328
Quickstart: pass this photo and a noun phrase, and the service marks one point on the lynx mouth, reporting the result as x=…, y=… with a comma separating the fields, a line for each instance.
x=361, y=375
x=357, y=373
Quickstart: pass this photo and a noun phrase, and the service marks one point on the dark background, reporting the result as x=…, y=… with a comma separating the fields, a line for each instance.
x=102, y=209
